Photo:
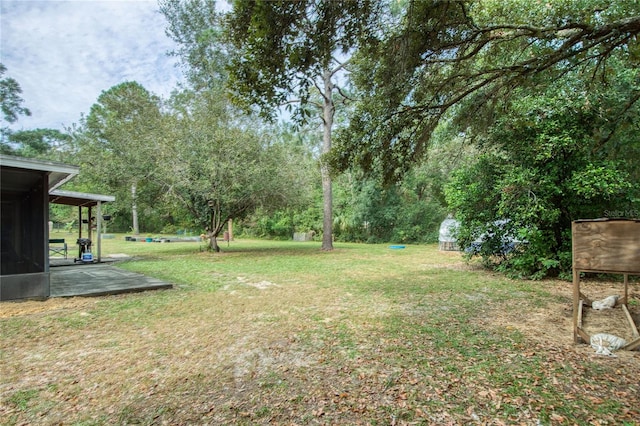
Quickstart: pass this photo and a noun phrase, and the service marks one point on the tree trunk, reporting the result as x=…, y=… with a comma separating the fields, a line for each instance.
x=134, y=209
x=215, y=226
x=213, y=244
x=327, y=192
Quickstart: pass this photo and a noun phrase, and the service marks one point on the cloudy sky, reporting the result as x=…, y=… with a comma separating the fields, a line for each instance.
x=65, y=53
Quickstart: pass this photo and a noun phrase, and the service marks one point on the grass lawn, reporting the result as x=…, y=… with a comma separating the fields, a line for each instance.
x=282, y=333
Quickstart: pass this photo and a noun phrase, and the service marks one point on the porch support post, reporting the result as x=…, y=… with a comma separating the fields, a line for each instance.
x=79, y=222
x=89, y=223
x=99, y=227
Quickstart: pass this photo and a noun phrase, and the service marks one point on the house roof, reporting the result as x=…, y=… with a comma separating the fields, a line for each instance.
x=18, y=173
x=81, y=199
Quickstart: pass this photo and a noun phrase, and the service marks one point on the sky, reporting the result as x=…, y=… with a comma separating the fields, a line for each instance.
x=64, y=54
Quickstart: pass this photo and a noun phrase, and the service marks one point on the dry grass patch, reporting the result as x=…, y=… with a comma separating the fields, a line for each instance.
x=286, y=334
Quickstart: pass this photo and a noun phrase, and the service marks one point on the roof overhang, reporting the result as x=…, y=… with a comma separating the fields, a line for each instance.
x=80, y=199
x=16, y=171
x=19, y=174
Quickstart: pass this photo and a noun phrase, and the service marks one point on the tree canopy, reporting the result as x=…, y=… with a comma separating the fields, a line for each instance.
x=289, y=54
x=219, y=167
x=469, y=55
x=284, y=49
x=547, y=91
x=10, y=99
x=120, y=143
x=196, y=27
x=11, y=107
x=33, y=143
x=551, y=157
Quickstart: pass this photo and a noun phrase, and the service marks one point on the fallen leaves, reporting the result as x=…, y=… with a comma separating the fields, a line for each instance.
x=229, y=360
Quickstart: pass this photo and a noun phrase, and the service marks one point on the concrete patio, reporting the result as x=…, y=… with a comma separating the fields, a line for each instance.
x=97, y=279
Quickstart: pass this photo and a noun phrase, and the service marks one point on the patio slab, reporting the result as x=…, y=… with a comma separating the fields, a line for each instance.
x=98, y=280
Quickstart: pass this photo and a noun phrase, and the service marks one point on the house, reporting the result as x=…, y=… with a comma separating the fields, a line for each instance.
x=27, y=186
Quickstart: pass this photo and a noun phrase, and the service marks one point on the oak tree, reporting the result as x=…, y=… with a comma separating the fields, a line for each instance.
x=462, y=58
x=220, y=167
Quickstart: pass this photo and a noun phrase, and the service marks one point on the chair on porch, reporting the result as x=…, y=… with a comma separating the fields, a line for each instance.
x=58, y=246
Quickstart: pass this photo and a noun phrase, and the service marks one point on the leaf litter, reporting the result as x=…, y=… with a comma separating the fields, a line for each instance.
x=303, y=354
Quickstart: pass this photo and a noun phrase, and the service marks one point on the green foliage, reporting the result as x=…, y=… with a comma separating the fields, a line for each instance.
x=35, y=143
x=281, y=55
x=443, y=54
x=606, y=180
x=278, y=225
x=119, y=146
x=282, y=50
x=367, y=211
x=11, y=107
x=364, y=212
x=195, y=26
x=63, y=217
x=548, y=160
x=282, y=224
x=220, y=166
x=10, y=100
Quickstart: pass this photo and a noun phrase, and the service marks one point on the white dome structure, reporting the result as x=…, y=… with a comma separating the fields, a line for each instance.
x=446, y=239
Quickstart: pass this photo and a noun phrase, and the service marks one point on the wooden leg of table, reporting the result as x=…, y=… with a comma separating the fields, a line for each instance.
x=632, y=324
x=576, y=304
x=634, y=344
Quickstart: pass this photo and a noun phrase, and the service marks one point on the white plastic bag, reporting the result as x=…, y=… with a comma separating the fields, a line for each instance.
x=606, y=303
x=605, y=344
